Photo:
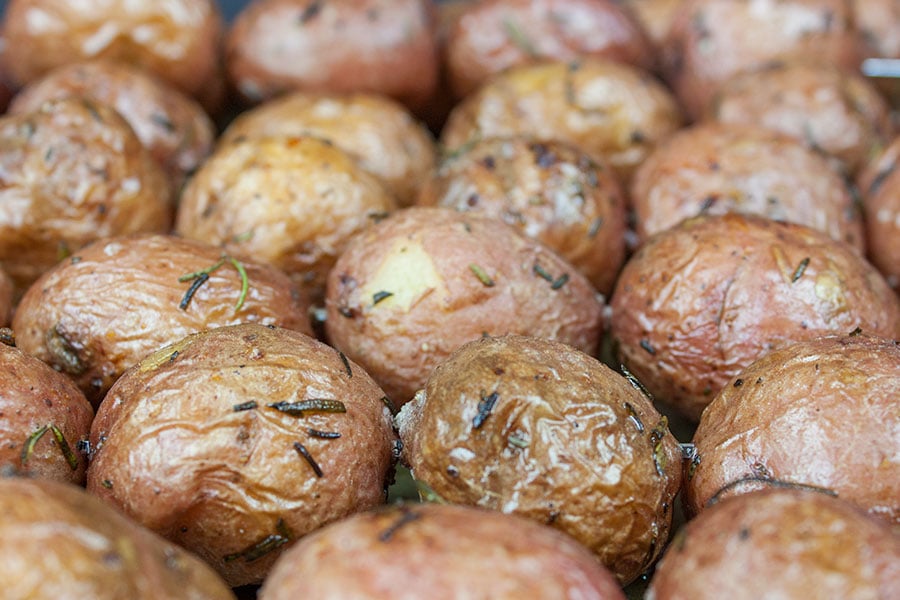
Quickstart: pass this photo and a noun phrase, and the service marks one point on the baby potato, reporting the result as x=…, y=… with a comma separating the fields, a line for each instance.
x=879, y=184
x=236, y=441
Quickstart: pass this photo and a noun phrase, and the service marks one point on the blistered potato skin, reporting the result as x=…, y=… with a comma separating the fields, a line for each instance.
x=450, y=551
x=699, y=302
x=71, y=173
x=173, y=452
x=568, y=442
x=449, y=278
x=99, y=312
x=780, y=544
x=717, y=168
x=32, y=396
x=549, y=191
x=60, y=542
x=379, y=133
x=840, y=391
x=879, y=184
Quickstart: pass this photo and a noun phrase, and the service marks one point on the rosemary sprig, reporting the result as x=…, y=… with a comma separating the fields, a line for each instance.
x=198, y=278
x=34, y=438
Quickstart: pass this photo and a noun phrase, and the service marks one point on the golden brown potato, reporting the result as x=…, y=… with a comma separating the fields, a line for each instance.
x=381, y=46
x=442, y=551
x=840, y=391
x=655, y=16
x=236, y=441
x=99, y=312
x=6, y=298
x=170, y=124
x=614, y=112
x=292, y=202
x=493, y=35
x=411, y=289
x=717, y=168
x=44, y=420
x=60, y=542
x=536, y=428
x=780, y=544
x=712, y=40
x=701, y=301
x=380, y=134
x=549, y=191
x=880, y=187
x=71, y=173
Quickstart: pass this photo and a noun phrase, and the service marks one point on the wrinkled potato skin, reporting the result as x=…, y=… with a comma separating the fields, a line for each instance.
x=98, y=313
x=440, y=549
x=425, y=257
x=880, y=187
x=612, y=111
x=655, y=16
x=181, y=461
x=293, y=202
x=549, y=191
x=387, y=47
x=780, y=544
x=600, y=463
x=720, y=168
x=32, y=395
x=380, y=134
x=494, y=35
x=170, y=124
x=60, y=542
x=833, y=111
x=6, y=298
x=844, y=389
x=71, y=173
x=700, y=302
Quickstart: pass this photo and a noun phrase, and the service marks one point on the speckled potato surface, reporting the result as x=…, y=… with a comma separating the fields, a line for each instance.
x=536, y=428
x=701, y=301
x=549, y=191
x=236, y=441
x=414, y=287
x=447, y=551
x=60, y=542
x=879, y=184
x=100, y=311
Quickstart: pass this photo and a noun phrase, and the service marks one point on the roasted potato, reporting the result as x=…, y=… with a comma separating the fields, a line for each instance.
x=536, y=428
x=549, y=191
x=701, y=301
x=411, y=289
x=443, y=551
x=717, y=168
x=878, y=22
x=840, y=391
x=44, y=420
x=780, y=543
x=6, y=298
x=234, y=442
x=292, y=202
x=879, y=184
x=71, y=173
x=99, y=312
x=60, y=542
x=655, y=16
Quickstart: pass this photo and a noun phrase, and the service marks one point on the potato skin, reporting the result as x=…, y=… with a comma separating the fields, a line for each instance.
x=32, y=396
x=450, y=551
x=537, y=452
x=878, y=22
x=701, y=301
x=60, y=542
x=99, y=312
x=879, y=184
x=841, y=390
x=780, y=544
x=716, y=168
x=173, y=452
x=549, y=191
x=655, y=16
x=6, y=298
x=449, y=278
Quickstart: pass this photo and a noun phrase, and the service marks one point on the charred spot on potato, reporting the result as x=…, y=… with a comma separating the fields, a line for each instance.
x=857, y=331
x=738, y=382
x=302, y=451
x=64, y=351
x=543, y=156
x=452, y=471
x=407, y=516
x=743, y=533
x=268, y=544
x=485, y=406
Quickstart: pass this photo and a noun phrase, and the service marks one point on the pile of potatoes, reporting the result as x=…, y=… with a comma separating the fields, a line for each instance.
x=475, y=298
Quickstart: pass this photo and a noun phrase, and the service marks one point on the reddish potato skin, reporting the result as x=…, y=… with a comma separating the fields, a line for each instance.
x=32, y=396
x=701, y=301
x=99, y=312
x=494, y=35
x=615, y=497
x=780, y=543
x=879, y=184
x=172, y=452
x=60, y=542
x=450, y=551
x=428, y=261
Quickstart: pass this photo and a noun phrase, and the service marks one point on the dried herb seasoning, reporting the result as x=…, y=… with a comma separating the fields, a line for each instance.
x=297, y=409
x=34, y=438
x=302, y=451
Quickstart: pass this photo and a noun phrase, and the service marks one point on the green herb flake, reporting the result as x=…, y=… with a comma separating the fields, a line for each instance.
x=485, y=406
x=62, y=443
x=518, y=38
x=595, y=226
x=198, y=278
x=346, y=363
x=801, y=268
x=244, y=406
x=560, y=282
x=298, y=409
x=482, y=276
x=427, y=493
x=541, y=272
x=517, y=441
x=302, y=451
x=265, y=546
x=379, y=296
